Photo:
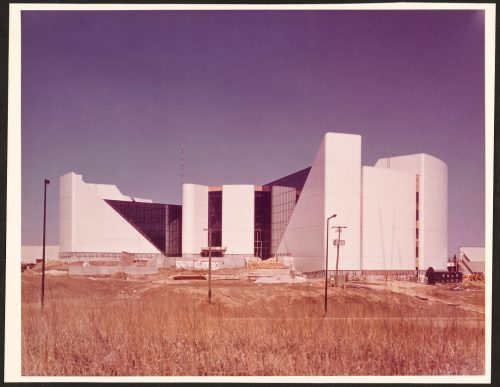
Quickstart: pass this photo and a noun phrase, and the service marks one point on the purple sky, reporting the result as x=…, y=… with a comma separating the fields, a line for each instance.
x=112, y=95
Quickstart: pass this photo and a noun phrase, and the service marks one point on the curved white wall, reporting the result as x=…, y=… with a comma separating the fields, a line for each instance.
x=194, y=219
x=388, y=219
x=89, y=224
x=66, y=203
x=433, y=205
x=238, y=218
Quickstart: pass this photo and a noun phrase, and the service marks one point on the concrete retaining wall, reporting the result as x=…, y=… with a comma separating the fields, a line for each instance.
x=235, y=261
x=150, y=268
x=167, y=261
x=197, y=264
x=217, y=263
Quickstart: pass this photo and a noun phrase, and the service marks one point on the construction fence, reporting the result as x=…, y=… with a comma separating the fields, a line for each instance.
x=400, y=275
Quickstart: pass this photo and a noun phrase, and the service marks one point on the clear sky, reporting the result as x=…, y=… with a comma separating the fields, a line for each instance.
x=112, y=95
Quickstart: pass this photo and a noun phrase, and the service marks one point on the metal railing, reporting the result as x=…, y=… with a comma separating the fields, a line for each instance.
x=103, y=256
x=407, y=275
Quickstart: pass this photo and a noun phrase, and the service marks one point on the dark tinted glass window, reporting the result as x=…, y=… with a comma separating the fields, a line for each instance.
x=215, y=217
x=262, y=221
x=174, y=231
x=284, y=194
x=161, y=224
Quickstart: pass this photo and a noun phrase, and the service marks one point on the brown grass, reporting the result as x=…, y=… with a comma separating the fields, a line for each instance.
x=117, y=327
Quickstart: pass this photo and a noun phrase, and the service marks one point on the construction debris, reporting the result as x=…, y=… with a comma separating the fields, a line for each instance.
x=257, y=263
x=475, y=277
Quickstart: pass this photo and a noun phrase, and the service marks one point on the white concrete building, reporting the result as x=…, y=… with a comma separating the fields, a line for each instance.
x=96, y=221
x=432, y=209
x=395, y=214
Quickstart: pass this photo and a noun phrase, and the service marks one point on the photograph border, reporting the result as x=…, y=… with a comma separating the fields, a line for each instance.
x=12, y=349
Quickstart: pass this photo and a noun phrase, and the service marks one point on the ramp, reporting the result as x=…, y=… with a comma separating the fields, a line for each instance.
x=465, y=267
x=470, y=267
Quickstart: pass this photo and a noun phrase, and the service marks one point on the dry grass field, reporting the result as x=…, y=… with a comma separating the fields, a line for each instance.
x=153, y=325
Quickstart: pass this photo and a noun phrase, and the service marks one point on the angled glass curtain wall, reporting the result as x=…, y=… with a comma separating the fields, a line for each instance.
x=283, y=203
x=284, y=194
x=173, y=222
x=161, y=224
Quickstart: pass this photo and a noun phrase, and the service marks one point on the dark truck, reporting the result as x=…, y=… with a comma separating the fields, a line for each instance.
x=443, y=276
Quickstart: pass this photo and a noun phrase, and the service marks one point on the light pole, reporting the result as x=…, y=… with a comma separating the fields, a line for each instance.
x=210, y=230
x=43, y=245
x=326, y=260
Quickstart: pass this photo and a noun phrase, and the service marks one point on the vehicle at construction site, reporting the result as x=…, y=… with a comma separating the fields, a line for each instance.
x=443, y=276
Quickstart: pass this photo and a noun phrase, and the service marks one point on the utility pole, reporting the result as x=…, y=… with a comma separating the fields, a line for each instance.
x=209, y=229
x=339, y=230
x=326, y=264
x=43, y=245
x=209, y=265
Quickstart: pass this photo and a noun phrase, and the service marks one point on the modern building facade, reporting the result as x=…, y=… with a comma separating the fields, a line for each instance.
x=395, y=214
x=98, y=222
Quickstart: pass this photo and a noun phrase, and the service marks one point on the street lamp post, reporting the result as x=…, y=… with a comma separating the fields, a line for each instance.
x=210, y=229
x=43, y=245
x=326, y=264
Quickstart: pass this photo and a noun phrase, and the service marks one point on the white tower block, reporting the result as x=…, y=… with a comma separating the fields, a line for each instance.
x=332, y=187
